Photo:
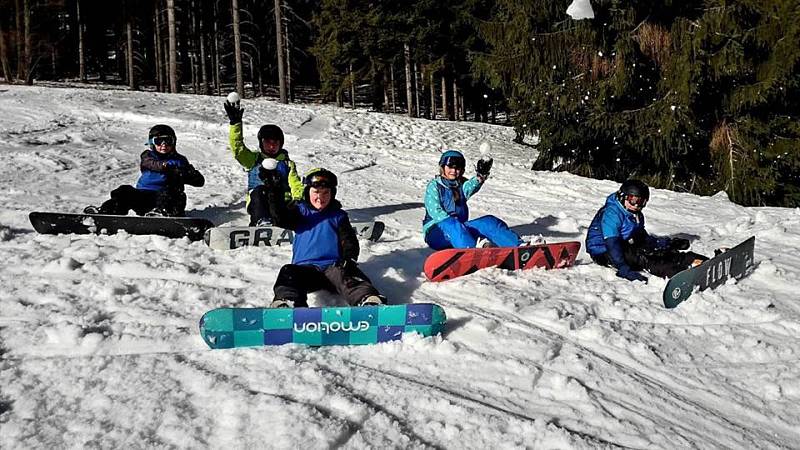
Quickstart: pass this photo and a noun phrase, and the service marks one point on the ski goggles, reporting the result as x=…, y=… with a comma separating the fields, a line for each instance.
x=320, y=182
x=162, y=140
x=455, y=162
x=636, y=200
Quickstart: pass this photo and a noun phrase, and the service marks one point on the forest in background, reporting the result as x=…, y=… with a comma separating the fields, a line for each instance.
x=690, y=96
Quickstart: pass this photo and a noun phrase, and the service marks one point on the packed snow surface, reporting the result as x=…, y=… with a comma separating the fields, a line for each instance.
x=99, y=344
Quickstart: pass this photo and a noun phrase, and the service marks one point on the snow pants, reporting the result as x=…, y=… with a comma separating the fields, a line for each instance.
x=258, y=208
x=660, y=264
x=125, y=198
x=450, y=233
x=296, y=281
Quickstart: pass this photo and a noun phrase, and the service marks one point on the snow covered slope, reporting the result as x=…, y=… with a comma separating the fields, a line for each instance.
x=98, y=334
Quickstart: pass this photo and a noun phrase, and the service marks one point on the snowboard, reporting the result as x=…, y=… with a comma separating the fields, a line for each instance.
x=452, y=263
x=735, y=262
x=65, y=223
x=227, y=238
x=357, y=325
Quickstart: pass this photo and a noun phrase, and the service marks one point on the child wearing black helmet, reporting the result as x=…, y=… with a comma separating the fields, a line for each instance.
x=617, y=238
x=446, y=223
x=270, y=145
x=325, y=247
x=159, y=190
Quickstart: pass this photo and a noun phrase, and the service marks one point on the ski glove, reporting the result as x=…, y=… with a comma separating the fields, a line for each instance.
x=483, y=167
x=234, y=113
x=270, y=178
x=174, y=163
x=630, y=275
x=679, y=244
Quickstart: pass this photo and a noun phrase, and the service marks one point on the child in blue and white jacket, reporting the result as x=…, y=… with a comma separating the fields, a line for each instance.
x=446, y=223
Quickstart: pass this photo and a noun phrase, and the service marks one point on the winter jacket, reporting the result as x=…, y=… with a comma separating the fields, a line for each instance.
x=613, y=221
x=157, y=175
x=250, y=160
x=322, y=238
x=441, y=201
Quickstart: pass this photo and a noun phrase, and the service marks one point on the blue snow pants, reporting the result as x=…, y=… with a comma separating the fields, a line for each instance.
x=450, y=233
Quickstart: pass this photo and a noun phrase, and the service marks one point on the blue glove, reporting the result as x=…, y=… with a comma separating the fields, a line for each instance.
x=174, y=163
x=662, y=243
x=630, y=275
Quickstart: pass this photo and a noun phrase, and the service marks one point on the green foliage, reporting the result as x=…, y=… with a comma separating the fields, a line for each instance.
x=697, y=97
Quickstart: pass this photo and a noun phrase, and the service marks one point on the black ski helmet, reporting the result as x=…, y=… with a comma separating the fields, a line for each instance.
x=634, y=187
x=161, y=130
x=270, y=131
x=322, y=176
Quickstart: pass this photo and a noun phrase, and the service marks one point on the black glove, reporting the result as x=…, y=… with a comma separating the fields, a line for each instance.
x=234, y=112
x=679, y=244
x=483, y=167
x=270, y=178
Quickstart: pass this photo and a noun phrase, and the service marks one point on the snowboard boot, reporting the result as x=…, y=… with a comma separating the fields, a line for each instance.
x=373, y=300
x=91, y=209
x=484, y=243
x=720, y=251
x=281, y=303
x=264, y=222
x=156, y=212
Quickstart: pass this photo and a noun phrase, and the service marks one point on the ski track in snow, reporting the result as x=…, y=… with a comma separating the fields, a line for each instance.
x=99, y=344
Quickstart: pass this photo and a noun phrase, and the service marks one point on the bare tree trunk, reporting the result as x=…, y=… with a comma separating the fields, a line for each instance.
x=409, y=98
x=203, y=64
x=433, y=97
x=416, y=89
x=281, y=51
x=237, y=48
x=81, y=45
x=157, y=46
x=173, y=48
x=20, y=39
x=28, y=43
x=288, y=60
x=445, y=109
x=394, y=99
x=129, y=30
x=339, y=101
x=9, y=77
x=217, y=84
x=456, y=106
x=192, y=50
x=385, y=90
x=352, y=86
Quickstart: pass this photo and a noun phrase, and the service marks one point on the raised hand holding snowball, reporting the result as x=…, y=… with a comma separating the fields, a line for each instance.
x=233, y=108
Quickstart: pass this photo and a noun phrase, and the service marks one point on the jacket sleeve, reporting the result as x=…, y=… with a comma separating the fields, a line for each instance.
x=433, y=203
x=472, y=186
x=283, y=214
x=243, y=155
x=295, y=183
x=192, y=176
x=149, y=162
x=348, y=241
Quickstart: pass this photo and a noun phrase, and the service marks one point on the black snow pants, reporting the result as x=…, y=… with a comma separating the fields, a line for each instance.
x=172, y=202
x=296, y=281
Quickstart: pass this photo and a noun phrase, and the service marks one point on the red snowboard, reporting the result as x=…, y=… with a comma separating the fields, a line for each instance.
x=455, y=262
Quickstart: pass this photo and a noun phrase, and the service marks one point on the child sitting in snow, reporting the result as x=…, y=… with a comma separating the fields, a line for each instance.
x=325, y=247
x=617, y=238
x=446, y=223
x=159, y=190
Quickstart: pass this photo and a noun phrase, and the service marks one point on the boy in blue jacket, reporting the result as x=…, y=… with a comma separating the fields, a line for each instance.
x=159, y=191
x=325, y=247
x=617, y=238
x=446, y=223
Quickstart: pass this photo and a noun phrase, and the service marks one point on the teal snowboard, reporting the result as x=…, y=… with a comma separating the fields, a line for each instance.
x=733, y=263
x=357, y=325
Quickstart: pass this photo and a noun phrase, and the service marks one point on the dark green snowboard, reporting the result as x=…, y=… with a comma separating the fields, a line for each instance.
x=734, y=263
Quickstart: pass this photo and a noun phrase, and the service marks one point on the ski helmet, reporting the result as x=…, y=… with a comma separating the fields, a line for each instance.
x=319, y=178
x=635, y=191
x=453, y=158
x=161, y=130
x=272, y=132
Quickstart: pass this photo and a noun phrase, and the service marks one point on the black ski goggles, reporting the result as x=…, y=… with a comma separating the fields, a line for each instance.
x=635, y=200
x=162, y=140
x=455, y=162
x=321, y=182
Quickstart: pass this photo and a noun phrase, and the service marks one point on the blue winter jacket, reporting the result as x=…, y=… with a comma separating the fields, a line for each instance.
x=613, y=221
x=440, y=201
x=157, y=175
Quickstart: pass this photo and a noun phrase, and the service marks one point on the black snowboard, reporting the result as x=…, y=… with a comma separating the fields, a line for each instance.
x=733, y=263
x=171, y=227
